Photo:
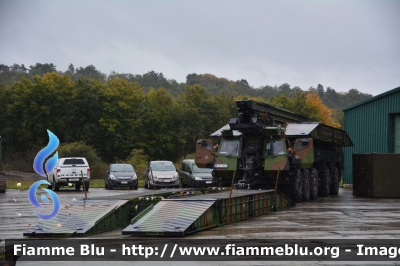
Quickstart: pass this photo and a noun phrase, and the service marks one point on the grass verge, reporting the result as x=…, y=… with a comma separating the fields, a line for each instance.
x=25, y=184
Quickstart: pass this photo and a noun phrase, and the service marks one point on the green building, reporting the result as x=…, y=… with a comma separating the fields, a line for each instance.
x=374, y=126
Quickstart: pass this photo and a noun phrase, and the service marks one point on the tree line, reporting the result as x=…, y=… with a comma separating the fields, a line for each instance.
x=121, y=113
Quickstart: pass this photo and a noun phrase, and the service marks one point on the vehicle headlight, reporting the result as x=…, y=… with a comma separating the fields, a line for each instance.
x=175, y=176
x=154, y=177
x=198, y=178
x=113, y=177
x=134, y=176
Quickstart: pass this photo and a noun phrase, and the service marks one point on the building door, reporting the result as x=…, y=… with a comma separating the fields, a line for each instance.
x=397, y=133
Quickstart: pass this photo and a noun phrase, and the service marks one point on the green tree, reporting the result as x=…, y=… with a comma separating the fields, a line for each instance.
x=161, y=126
x=121, y=119
x=32, y=107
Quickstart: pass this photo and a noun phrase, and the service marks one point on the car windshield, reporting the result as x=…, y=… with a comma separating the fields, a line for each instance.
x=122, y=168
x=162, y=167
x=229, y=148
x=201, y=170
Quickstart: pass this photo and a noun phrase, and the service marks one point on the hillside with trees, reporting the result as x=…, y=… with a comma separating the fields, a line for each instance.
x=121, y=115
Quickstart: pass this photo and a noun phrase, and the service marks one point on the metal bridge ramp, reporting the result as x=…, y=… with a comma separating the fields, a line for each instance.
x=183, y=216
x=174, y=217
x=84, y=217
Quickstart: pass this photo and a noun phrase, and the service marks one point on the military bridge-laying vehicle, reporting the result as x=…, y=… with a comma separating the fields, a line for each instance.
x=269, y=148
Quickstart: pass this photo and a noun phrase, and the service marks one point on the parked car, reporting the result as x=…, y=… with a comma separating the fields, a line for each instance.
x=161, y=174
x=121, y=175
x=69, y=171
x=193, y=176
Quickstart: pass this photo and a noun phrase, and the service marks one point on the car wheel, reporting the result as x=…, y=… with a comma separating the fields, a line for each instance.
x=56, y=187
x=193, y=184
x=105, y=185
x=87, y=186
x=77, y=186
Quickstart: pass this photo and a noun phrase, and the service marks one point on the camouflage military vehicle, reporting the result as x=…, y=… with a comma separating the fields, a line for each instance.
x=267, y=147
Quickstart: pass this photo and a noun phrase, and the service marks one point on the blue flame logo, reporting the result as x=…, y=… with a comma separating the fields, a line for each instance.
x=44, y=153
x=38, y=167
x=32, y=198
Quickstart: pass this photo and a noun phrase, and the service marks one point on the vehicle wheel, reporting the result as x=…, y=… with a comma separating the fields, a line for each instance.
x=110, y=187
x=77, y=186
x=324, y=183
x=193, y=185
x=49, y=186
x=298, y=187
x=56, y=187
x=335, y=182
x=313, y=184
x=87, y=186
x=182, y=184
x=306, y=184
x=105, y=185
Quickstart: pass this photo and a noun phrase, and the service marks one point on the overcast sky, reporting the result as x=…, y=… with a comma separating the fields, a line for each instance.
x=339, y=44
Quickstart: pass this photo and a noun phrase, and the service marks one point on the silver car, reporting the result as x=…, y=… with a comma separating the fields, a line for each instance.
x=161, y=174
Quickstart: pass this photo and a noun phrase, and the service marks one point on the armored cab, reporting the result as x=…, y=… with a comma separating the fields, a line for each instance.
x=268, y=147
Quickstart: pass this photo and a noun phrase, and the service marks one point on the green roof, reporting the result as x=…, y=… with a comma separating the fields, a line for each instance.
x=372, y=99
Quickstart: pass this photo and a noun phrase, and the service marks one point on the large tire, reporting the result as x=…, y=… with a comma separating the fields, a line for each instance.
x=77, y=187
x=335, y=182
x=306, y=184
x=56, y=187
x=324, y=183
x=298, y=187
x=87, y=185
x=313, y=184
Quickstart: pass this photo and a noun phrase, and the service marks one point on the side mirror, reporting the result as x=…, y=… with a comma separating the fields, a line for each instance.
x=305, y=142
x=177, y=170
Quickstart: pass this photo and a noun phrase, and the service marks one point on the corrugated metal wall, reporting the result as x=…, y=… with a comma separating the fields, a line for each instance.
x=370, y=127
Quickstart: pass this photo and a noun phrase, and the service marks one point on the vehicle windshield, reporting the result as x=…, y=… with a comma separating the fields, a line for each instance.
x=229, y=148
x=275, y=148
x=162, y=167
x=122, y=168
x=201, y=170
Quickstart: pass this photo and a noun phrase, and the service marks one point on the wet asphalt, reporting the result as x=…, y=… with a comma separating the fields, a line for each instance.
x=335, y=217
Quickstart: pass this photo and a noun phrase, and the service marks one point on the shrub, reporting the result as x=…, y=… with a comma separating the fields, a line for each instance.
x=21, y=161
x=138, y=159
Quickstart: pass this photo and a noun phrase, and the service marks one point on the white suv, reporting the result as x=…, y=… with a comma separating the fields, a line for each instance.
x=68, y=172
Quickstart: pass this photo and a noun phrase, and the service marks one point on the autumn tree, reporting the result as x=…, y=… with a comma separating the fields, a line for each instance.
x=316, y=111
